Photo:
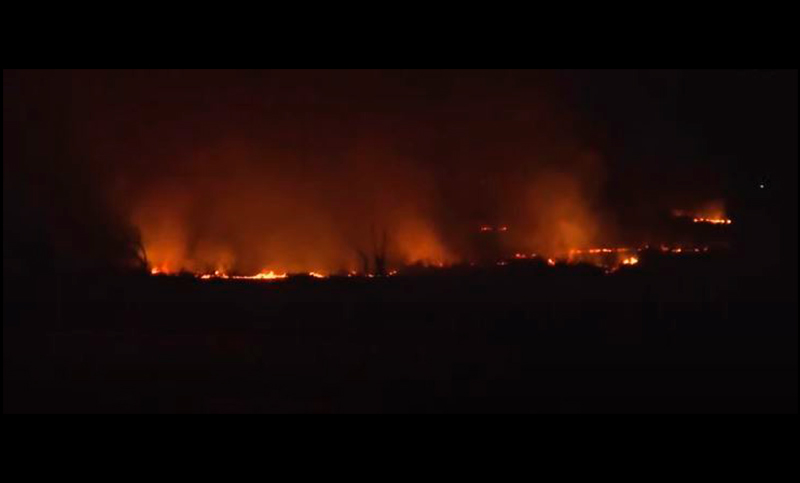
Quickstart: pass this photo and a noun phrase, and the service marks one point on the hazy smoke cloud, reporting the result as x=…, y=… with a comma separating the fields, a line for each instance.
x=300, y=171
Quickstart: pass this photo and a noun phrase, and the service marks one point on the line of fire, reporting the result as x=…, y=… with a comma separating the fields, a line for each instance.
x=690, y=235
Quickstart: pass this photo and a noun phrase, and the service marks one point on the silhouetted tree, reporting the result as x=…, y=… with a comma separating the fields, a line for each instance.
x=364, y=261
x=379, y=251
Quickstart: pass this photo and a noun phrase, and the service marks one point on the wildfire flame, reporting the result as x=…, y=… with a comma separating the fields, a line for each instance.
x=270, y=275
x=609, y=258
x=712, y=213
x=263, y=275
x=713, y=221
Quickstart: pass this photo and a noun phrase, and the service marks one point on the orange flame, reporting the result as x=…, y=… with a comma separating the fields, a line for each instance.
x=269, y=275
x=713, y=221
x=263, y=275
x=630, y=261
x=712, y=213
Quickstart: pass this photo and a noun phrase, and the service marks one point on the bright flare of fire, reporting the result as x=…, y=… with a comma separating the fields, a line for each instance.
x=270, y=275
x=263, y=275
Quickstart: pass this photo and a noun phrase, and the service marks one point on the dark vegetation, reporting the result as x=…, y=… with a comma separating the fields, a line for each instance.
x=706, y=333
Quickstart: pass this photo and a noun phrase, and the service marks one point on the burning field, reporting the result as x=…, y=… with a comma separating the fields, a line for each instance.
x=270, y=235
x=490, y=248
x=279, y=174
x=399, y=241
x=608, y=259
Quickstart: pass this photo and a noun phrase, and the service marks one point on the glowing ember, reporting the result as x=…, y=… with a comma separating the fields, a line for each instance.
x=630, y=261
x=216, y=274
x=316, y=275
x=486, y=228
x=551, y=262
x=713, y=221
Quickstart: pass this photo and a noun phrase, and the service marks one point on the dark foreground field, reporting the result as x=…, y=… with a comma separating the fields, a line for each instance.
x=676, y=336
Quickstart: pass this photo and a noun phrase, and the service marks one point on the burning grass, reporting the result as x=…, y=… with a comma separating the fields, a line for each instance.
x=610, y=259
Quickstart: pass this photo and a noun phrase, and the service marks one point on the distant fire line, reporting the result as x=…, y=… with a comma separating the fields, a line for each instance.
x=609, y=258
x=713, y=221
